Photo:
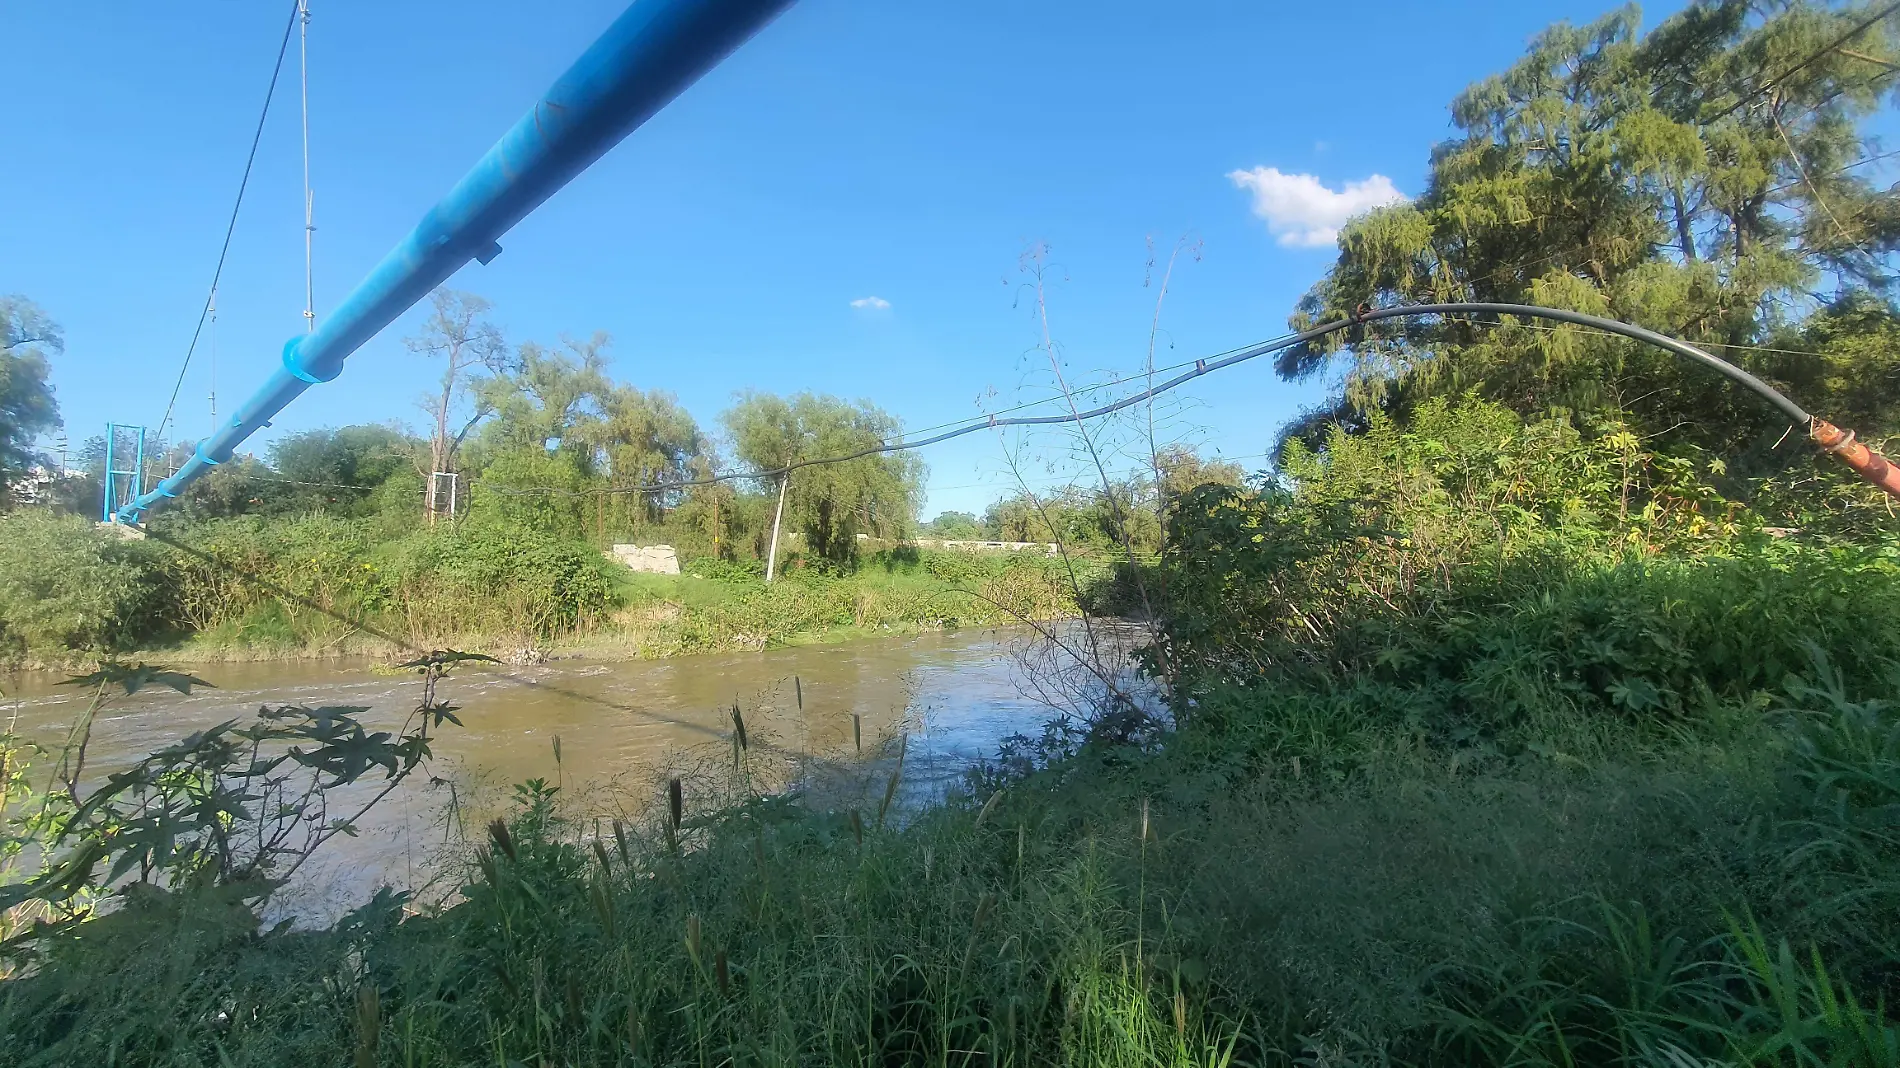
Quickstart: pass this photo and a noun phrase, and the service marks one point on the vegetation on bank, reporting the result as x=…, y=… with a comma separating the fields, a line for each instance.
x=321, y=585
x=1541, y=707
x=1366, y=871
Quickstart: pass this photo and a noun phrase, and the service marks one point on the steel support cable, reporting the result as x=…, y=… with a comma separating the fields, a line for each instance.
x=1859, y=28
x=1842, y=443
x=358, y=622
x=230, y=227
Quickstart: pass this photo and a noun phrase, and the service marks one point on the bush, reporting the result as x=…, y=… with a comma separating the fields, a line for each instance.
x=952, y=565
x=64, y=585
x=1470, y=574
x=487, y=579
x=232, y=568
x=709, y=567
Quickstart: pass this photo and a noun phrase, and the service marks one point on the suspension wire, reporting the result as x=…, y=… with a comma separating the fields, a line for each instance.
x=231, y=226
x=295, y=482
x=1793, y=411
x=1605, y=333
x=360, y=622
x=1082, y=476
x=213, y=354
x=1858, y=29
x=309, y=205
x=1121, y=381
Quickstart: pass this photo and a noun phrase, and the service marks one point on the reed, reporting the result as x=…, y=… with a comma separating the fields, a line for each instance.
x=1727, y=900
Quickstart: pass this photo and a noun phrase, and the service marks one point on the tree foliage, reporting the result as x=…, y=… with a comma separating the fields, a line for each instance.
x=471, y=350
x=876, y=494
x=27, y=407
x=1703, y=180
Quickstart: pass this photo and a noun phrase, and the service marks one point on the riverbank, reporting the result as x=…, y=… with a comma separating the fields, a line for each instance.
x=1560, y=809
x=1283, y=887
x=838, y=714
x=319, y=588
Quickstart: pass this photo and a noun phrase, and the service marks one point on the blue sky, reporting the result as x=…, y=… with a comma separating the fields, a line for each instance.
x=903, y=151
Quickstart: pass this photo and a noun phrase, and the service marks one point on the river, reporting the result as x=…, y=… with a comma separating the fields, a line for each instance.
x=623, y=727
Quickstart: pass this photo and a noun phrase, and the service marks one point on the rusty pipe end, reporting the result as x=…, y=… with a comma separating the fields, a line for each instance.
x=1866, y=463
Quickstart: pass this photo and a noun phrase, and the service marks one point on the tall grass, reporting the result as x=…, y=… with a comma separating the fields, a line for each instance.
x=1727, y=899
x=328, y=585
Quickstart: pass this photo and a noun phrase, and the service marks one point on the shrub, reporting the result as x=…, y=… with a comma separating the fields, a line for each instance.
x=952, y=565
x=66, y=586
x=488, y=579
x=708, y=567
x=236, y=566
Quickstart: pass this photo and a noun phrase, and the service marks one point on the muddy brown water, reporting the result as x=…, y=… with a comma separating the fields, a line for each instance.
x=623, y=728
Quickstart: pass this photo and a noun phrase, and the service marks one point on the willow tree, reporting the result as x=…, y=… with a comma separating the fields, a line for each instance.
x=644, y=440
x=1706, y=180
x=561, y=426
x=27, y=408
x=830, y=503
x=545, y=394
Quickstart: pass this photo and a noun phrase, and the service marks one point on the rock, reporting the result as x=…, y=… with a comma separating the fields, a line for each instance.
x=647, y=559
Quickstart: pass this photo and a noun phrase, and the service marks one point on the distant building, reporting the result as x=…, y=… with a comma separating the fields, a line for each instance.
x=40, y=484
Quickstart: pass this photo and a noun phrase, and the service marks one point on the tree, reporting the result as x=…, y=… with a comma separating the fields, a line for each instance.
x=1699, y=180
x=644, y=439
x=545, y=394
x=27, y=407
x=955, y=526
x=472, y=351
x=339, y=467
x=1180, y=469
x=876, y=494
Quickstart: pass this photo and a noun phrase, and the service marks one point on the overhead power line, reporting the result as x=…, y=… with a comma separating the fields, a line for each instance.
x=230, y=227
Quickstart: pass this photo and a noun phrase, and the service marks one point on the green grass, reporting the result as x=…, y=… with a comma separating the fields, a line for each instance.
x=252, y=589
x=1726, y=897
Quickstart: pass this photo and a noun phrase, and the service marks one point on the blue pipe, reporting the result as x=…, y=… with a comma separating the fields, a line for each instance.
x=651, y=53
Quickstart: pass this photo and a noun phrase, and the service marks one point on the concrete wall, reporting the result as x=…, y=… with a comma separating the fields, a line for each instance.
x=649, y=559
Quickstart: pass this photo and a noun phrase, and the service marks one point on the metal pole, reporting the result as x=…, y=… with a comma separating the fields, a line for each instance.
x=650, y=54
x=106, y=511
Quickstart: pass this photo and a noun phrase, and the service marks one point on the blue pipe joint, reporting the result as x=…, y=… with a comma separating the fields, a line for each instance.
x=199, y=452
x=295, y=363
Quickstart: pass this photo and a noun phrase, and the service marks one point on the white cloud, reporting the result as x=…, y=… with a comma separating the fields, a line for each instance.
x=871, y=303
x=1302, y=212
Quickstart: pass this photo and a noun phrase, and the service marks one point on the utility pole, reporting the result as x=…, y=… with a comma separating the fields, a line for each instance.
x=771, y=556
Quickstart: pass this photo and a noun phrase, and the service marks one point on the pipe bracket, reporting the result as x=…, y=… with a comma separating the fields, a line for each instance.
x=294, y=363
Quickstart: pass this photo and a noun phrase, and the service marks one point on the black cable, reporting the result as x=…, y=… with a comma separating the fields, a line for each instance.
x=1798, y=67
x=359, y=623
x=231, y=227
x=1201, y=367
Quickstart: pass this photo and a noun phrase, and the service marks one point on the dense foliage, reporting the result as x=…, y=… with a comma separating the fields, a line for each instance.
x=1699, y=180
x=27, y=408
x=323, y=584
x=1538, y=708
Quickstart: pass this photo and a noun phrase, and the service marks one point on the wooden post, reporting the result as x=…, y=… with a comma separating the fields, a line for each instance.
x=771, y=556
